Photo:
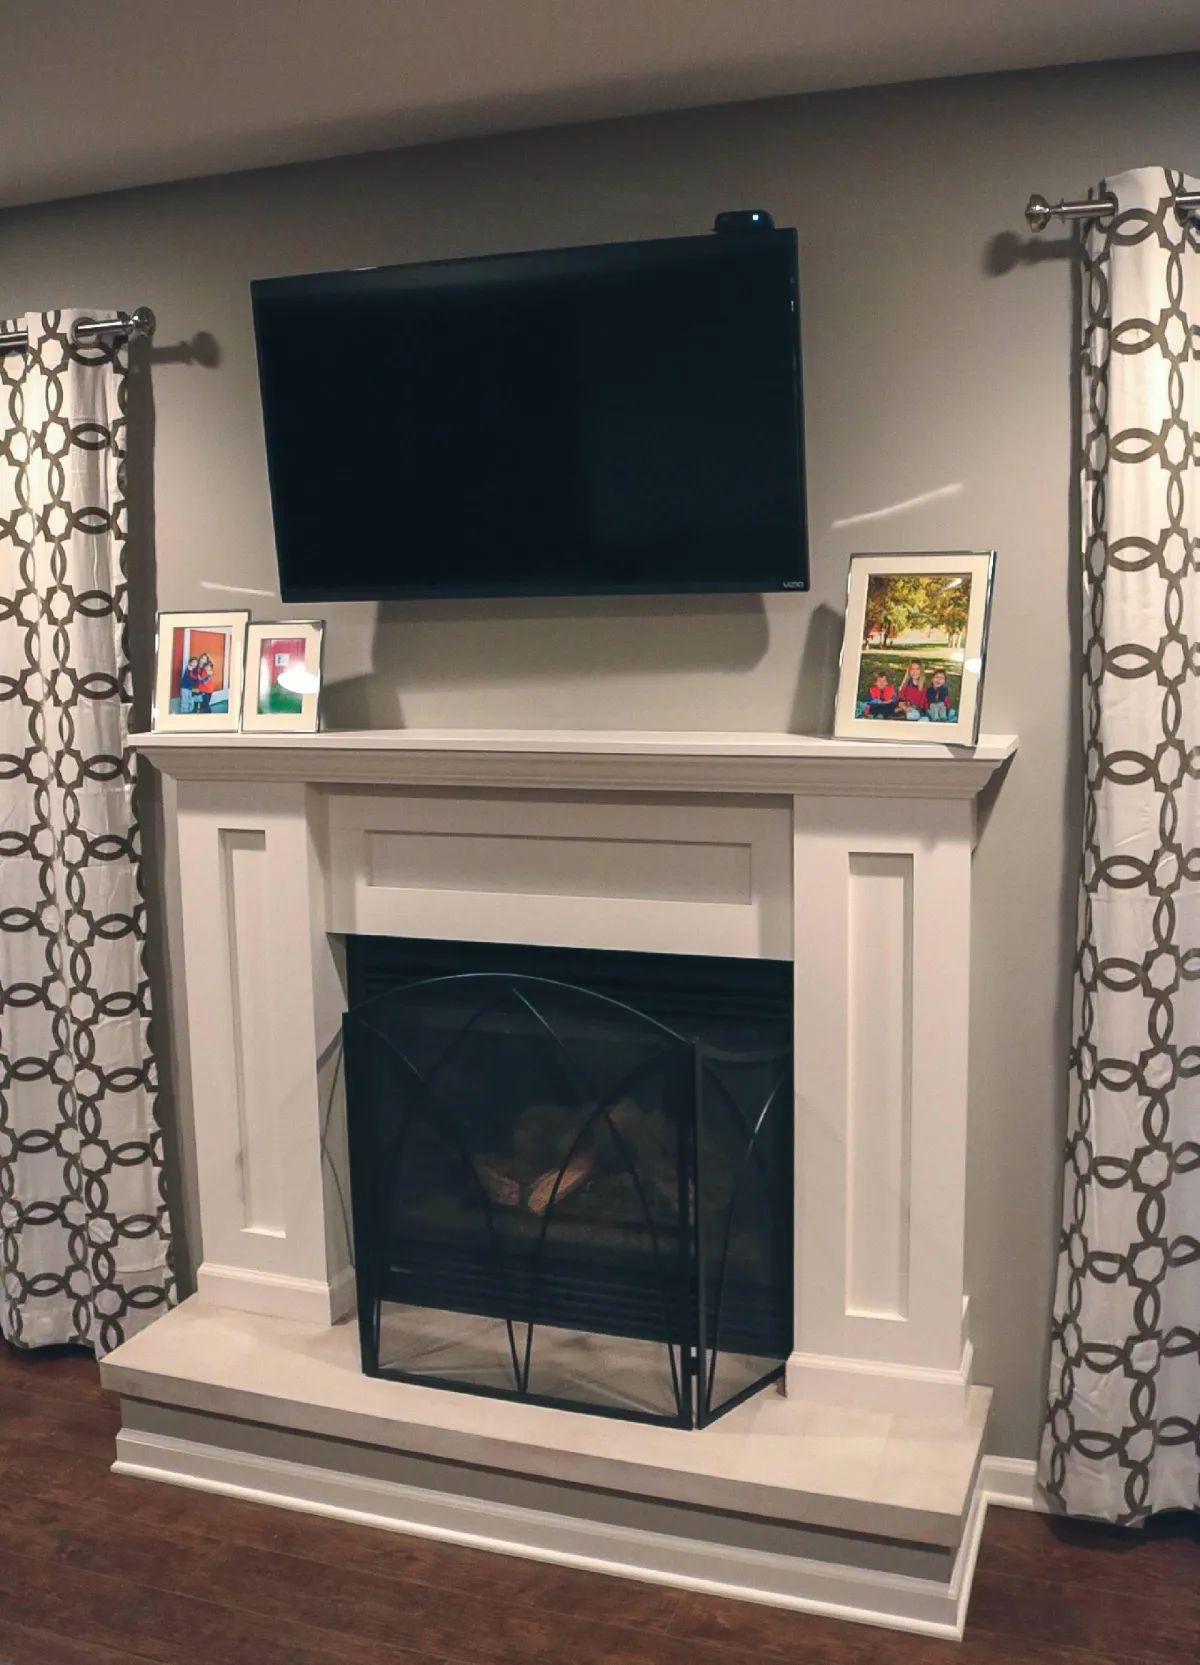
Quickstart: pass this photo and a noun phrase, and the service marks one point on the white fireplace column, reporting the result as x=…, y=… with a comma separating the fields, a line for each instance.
x=882, y=958
x=265, y=1000
x=854, y=856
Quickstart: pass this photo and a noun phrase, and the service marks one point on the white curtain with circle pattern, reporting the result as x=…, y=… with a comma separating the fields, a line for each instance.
x=84, y=1234
x=1122, y=1437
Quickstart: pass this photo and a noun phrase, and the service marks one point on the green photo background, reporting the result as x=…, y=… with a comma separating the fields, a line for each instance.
x=280, y=702
x=273, y=699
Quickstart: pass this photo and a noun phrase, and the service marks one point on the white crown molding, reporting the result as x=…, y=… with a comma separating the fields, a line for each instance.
x=559, y=759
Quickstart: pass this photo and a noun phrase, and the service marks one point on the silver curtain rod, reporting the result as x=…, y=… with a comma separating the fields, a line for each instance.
x=1039, y=212
x=140, y=322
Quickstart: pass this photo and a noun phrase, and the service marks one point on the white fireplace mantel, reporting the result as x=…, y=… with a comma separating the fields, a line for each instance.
x=851, y=858
x=861, y=1492
x=587, y=760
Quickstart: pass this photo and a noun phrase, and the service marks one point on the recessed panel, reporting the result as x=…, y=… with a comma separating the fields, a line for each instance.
x=879, y=1084
x=253, y=972
x=639, y=869
x=674, y=875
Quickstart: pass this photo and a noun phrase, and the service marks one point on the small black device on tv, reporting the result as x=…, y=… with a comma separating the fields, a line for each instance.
x=623, y=418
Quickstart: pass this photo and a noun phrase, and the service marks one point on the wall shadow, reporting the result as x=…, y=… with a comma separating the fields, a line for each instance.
x=203, y=349
x=359, y=702
x=516, y=638
x=985, y=800
x=1073, y=787
x=1003, y=254
x=1073, y=792
x=1008, y=249
x=451, y=643
x=140, y=553
x=142, y=604
x=817, y=675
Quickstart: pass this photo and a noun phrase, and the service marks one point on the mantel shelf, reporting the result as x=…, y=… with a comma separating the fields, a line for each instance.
x=587, y=760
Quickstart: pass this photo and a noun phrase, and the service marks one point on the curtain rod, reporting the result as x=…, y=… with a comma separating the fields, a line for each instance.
x=140, y=322
x=1039, y=212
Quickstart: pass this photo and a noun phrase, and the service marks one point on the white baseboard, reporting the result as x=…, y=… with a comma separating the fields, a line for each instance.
x=306, y=1300
x=867, y=1596
x=867, y=1384
x=1011, y=1483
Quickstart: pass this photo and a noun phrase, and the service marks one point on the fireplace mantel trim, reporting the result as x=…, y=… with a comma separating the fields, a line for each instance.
x=587, y=760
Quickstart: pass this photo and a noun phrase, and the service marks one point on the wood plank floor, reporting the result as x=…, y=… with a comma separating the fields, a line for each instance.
x=98, y=1569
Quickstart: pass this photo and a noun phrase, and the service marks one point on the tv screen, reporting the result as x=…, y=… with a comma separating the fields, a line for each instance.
x=621, y=418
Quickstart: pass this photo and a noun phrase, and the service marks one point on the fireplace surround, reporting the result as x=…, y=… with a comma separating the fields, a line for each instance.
x=858, y=1490
x=571, y=1173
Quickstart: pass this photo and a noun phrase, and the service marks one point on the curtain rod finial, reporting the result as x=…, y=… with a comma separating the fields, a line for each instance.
x=142, y=322
x=1037, y=212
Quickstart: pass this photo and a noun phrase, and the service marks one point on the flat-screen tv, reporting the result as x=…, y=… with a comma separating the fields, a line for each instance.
x=623, y=418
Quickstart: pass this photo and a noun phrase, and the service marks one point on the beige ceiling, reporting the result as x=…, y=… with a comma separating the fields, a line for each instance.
x=110, y=93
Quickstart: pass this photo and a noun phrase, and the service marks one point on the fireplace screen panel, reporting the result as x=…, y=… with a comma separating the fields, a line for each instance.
x=744, y=1223
x=560, y=1197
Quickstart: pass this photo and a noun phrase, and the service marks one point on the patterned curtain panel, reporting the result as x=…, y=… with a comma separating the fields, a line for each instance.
x=84, y=1233
x=1123, y=1434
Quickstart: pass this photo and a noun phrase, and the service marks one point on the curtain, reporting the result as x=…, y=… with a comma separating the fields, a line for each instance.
x=1122, y=1437
x=84, y=1233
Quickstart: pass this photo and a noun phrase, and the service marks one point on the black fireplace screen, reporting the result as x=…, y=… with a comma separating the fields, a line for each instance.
x=561, y=1197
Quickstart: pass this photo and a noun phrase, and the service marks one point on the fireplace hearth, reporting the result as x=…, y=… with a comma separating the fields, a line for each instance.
x=571, y=1173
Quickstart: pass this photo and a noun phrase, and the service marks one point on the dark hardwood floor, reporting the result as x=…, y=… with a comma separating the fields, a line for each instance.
x=97, y=1569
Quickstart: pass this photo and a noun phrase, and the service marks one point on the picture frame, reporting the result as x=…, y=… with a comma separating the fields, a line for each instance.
x=199, y=661
x=915, y=647
x=284, y=669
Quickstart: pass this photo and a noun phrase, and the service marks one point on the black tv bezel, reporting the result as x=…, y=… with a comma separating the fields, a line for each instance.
x=527, y=267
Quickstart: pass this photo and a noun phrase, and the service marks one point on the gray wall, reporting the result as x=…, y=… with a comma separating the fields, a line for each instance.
x=937, y=345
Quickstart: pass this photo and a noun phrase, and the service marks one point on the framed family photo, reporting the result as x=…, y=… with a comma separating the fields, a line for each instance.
x=914, y=649
x=283, y=677
x=198, y=667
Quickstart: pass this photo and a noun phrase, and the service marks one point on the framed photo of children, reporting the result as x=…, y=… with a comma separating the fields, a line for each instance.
x=914, y=648
x=283, y=676
x=198, y=672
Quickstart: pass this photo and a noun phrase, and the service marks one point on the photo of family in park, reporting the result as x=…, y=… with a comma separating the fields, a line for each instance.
x=914, y=630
